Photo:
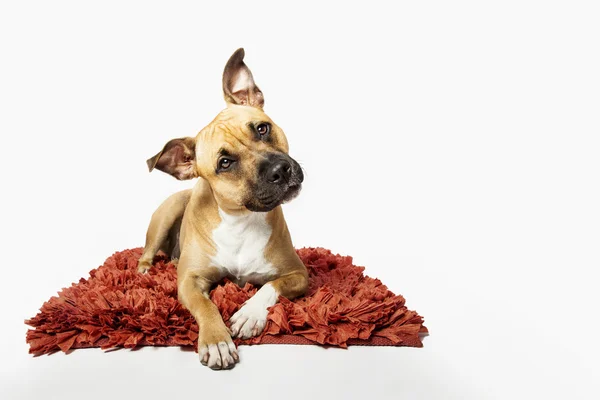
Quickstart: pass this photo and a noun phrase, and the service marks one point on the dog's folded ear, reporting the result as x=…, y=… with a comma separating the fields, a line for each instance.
x=238, y=83
x=177, y=158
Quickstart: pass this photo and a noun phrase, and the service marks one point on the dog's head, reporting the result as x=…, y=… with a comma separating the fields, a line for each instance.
x=242, y=153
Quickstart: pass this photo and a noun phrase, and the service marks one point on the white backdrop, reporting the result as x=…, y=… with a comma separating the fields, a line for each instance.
x=450, y=147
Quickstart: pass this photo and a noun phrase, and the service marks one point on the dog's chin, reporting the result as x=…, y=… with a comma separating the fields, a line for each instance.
x=290, y=194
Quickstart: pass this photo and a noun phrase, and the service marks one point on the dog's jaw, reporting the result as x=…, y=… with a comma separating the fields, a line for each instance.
x=290, y=193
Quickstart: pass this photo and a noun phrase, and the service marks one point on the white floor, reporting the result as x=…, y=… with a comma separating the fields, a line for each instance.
x=481, y=369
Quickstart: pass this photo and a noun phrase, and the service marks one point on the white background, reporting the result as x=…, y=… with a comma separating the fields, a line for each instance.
x=450, y=147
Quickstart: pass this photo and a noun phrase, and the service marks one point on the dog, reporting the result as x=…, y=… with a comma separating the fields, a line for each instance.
x=230, y=224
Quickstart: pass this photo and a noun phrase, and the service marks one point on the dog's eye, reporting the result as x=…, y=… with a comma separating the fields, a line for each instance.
x=225, y=163
x=263, y=129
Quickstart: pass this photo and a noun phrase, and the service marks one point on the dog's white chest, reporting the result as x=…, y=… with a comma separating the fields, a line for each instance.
x=240, y=243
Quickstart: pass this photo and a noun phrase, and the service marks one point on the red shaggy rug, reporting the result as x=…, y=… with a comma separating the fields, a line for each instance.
x=118, y=307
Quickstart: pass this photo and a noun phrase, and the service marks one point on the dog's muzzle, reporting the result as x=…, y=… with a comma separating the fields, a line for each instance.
x=279, y=180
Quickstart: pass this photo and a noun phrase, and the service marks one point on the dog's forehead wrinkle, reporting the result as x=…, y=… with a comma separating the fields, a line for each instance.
x=231, y=129
x=223, y=127
x=239, y=142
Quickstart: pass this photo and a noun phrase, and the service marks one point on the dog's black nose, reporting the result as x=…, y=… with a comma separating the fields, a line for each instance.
x=279, y=172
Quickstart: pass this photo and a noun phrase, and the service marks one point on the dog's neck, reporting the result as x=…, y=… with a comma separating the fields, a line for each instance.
x=206, y=197
x=208, y=212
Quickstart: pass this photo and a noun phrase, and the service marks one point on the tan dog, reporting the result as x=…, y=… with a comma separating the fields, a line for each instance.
x=231, y=223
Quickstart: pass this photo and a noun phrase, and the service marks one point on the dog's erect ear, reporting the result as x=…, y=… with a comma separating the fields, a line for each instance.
x=238, y=83
x=177, y=158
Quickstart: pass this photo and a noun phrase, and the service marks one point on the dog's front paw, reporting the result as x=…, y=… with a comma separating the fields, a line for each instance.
x=249, y=321
x=143, y=267
x=216, y=349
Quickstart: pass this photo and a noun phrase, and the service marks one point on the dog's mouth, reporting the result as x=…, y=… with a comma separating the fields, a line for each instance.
x=269, y=202
x=279, y=180
x=291, y=193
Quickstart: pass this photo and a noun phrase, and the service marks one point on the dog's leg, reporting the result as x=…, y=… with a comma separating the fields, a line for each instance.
x=160, y=231
x=156, y=236
x=215, y=347
x=250, y=320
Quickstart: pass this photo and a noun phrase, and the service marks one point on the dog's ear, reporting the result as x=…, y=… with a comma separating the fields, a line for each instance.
x=177, y=158
x=238, y=83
